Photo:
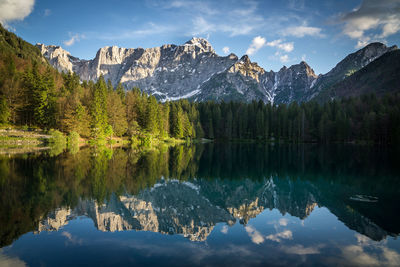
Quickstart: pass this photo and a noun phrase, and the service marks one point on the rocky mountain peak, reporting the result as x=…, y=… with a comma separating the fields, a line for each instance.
x=202, y=43
x=245, y=59
x=58, y=57
x=372, y=51
x=112, y=54
x=284, y=68
x=303, y=68
x=246, y=68
x=232, y=56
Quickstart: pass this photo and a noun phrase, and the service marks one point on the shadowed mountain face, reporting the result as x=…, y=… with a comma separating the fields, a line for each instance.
x=194, y=71
x=379, y=77
x=189, y=190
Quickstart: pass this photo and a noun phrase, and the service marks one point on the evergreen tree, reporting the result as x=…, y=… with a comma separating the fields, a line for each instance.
x=116, y=112
x=121, y=92
x=98, y=109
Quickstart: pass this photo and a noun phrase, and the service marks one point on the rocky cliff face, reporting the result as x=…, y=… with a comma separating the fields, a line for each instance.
x=194, y=70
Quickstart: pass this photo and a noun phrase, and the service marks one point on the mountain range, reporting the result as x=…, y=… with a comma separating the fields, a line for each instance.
x=196, y=72
x=193, y=208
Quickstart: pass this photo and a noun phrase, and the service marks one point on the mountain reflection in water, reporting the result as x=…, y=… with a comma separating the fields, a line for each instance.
x=189, y=190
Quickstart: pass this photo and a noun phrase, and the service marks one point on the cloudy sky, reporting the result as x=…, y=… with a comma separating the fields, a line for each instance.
x=273, y=33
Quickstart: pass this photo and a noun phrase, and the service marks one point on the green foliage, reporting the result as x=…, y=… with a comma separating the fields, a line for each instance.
x=41, y=104
x=98, y=110
x=116, y=111
x=108, y=131
x=73, y=141
x=57, y=142
x=4, y=111
x=350, y=72
x=146, y=140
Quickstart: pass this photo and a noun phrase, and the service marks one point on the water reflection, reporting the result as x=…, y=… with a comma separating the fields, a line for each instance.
x=193, y=190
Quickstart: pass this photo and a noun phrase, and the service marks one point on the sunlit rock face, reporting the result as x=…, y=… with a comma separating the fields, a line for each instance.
x=169, y=72
x=55, y=220
x=246, y=211
x=195, y=71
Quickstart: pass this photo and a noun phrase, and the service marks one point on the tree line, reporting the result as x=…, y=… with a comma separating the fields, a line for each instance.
x=37, y=96
x=366, y=118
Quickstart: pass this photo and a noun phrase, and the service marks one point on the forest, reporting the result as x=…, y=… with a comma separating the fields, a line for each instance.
x=33, y=95
x=37, y=97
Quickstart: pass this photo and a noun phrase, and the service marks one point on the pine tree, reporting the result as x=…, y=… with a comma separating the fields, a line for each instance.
x=116, y=112
x=121, y=92
x=98, y=110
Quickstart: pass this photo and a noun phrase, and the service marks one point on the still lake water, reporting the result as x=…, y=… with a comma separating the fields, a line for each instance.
x=212, y=204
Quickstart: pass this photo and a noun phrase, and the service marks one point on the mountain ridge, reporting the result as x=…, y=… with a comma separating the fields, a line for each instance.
x=195, y=71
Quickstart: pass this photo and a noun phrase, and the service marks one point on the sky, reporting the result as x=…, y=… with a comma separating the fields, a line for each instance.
x=273, y=33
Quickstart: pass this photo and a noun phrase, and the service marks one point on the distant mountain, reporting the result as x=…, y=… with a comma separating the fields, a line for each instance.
x=194, y=71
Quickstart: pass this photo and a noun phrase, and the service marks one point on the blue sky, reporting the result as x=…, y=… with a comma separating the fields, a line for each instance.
x=273, y=33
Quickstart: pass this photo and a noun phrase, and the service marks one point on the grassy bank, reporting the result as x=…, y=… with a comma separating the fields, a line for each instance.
x=14, y=140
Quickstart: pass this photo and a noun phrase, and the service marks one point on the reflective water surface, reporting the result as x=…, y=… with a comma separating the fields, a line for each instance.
x=212, y=204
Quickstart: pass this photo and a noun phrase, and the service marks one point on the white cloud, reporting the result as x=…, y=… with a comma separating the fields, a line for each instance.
x=15, y=10
x=282, y=48
x=235, y=28
x=226, y=50
x=224, y=229
x=71, y=238
x=287, y=47
x=300, y=250
x=234, y=19
x=301, y=31
x=283, y=221
x=208, y=16
x=257, y=43
x=372, y=21
x=7, y=261
x=303, y=58
x=369, y=253
x=149, y=30
x=287, y=234
x=193, y=5
x=201, y=26
x=284, y=58
x=74, y=38
x=255, y=236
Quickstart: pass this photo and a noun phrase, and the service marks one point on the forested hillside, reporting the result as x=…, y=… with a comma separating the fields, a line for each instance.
x=380, y=77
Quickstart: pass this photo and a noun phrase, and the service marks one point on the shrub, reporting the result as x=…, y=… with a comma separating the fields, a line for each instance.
x=57, y=142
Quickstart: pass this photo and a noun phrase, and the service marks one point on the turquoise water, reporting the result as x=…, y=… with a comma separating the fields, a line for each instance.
x=213, y=204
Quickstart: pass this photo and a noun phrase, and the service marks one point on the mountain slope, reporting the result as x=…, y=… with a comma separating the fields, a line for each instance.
x=346, y=67
x=10, y=44
x=380, y=77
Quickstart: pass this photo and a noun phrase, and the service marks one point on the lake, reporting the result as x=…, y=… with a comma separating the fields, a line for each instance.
x=209, y=204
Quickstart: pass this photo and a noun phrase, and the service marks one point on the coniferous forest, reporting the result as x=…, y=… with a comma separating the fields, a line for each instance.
x=33, y=94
